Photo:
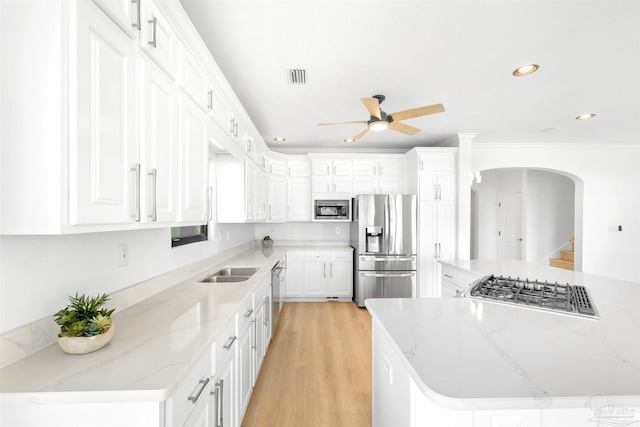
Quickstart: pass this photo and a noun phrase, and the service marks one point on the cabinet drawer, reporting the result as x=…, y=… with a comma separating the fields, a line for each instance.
x=341, y=256
x=452, y=275
x=224, y=345
x=245, y=312
x=316, y=256
x=192, y=390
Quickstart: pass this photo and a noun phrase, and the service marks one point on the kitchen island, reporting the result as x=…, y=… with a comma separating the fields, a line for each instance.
x=463, y=362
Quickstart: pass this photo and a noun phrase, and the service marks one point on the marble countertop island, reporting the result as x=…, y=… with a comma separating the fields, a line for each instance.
x=466, y=354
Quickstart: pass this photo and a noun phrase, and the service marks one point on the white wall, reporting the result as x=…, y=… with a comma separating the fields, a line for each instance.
x=303, y=232
x=549, y=214
x=38, y=272
x=609, y=196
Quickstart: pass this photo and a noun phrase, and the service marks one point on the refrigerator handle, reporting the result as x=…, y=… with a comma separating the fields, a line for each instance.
x=387, y=244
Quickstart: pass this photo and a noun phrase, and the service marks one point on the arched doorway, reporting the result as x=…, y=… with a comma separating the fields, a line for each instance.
x=551, y=213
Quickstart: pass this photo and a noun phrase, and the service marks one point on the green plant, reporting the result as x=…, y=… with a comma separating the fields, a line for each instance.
x=266, y=238
x=83, y=316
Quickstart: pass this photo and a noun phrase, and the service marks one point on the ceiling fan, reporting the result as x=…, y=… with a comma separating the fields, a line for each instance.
x=379, y=120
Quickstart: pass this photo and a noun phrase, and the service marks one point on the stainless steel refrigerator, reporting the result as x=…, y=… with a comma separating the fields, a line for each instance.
x=383, y=235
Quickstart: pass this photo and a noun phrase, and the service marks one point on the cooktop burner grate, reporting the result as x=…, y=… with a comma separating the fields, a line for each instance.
x=555, y=297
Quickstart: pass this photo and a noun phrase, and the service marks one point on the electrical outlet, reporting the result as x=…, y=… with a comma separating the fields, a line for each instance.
x=122, y=252
x=337, y=230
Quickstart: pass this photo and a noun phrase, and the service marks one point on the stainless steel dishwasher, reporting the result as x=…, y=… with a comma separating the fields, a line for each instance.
x=278, y=280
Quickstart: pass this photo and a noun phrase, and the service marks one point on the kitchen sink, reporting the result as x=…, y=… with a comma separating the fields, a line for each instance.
x=235, y=271
x=224, y=279
x=230, y=275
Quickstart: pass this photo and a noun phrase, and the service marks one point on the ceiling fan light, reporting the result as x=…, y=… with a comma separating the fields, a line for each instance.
x=525, y=70
x=586, y=116
x=378, y=125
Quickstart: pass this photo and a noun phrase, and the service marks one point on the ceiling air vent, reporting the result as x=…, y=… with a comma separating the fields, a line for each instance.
x=297, y=76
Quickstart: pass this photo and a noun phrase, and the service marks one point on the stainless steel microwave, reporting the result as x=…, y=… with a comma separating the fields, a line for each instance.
x=332, y=210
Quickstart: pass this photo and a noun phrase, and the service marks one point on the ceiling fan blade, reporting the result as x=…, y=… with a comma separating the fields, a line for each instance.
x=361, y=122
x=417, y=112
x=360, y=135
x=373, y=106
x=401, y=127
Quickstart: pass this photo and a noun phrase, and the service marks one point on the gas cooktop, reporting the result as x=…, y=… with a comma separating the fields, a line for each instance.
x=560, y=298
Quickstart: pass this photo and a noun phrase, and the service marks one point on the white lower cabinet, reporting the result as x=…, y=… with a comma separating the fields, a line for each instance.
x=190, y=405
x=314, y=275
x=456, y=280
x=295, y=274
x=245, y=368
x=224, y=373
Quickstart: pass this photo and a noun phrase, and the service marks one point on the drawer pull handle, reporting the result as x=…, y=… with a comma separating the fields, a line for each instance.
x=195, y=398
x=248, y=313
x=450, y=277
x=229, y=343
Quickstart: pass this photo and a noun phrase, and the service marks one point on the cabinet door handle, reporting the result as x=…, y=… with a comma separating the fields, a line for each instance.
x=137, y=23
x=220, y=387
x=270, y=212
x=210, y=203
x=229, y=343
x=255, y=334
x=136, y=189
x=154, y=195
x=154, y=22
x=195, y=398
x=324, y=270
x=216, y=399
x=448, y=276
x=210, y=105
x=421, y=165
x=330, y=269
x=380, y=170
x=248, y=313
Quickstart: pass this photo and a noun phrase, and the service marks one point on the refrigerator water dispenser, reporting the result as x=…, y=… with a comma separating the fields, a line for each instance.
x=374, y=239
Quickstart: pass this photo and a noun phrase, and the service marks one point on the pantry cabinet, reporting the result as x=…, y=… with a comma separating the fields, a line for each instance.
x=437, y=204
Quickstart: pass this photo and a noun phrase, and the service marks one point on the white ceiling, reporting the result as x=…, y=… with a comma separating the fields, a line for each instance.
x=458, y=53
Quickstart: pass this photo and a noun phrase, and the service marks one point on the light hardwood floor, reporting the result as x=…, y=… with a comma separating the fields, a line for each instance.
x=317, y=371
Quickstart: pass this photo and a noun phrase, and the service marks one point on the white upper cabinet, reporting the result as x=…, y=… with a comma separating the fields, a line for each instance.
x=159, y=145
x=125, y=13
x=193, y=163
x=298, y=167
x=277, y=166
x=194, y=81
x=323, y=167
x=158, y=39
x=277, y=198
x=104, y=171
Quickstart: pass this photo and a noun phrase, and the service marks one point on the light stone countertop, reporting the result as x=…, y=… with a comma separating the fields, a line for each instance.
x=469, y=354
x=156, y=344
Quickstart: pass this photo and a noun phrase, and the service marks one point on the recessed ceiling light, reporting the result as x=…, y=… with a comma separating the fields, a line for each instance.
x=279, y=139
x=586, y=116
x=349, y=140
x=525, y=70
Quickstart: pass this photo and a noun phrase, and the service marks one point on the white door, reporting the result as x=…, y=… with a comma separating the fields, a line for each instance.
x=510, y=226
x=103, y=188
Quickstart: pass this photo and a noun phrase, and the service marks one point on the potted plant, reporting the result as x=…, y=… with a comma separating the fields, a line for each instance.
x=84, y=326
x=267, y=242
